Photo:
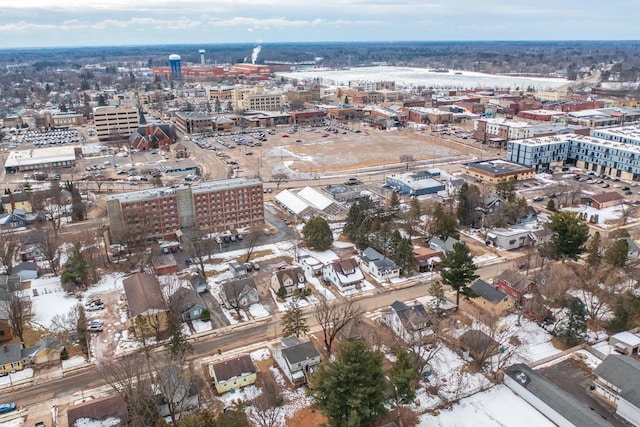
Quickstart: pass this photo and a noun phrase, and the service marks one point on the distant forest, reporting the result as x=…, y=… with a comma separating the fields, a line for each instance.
x=524, y=57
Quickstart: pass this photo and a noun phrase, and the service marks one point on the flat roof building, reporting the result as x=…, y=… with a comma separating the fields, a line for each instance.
x=115, y=122
x=42, y=158
x=494, y=171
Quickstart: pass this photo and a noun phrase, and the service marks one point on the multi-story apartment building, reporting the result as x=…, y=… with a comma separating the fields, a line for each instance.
x=115, y=122
x=257, y=99
x=486, y=129
x=215, y=206
x=189, y=122
x=614, y=152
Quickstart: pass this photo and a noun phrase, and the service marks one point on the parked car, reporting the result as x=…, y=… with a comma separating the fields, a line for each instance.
x=248, y=266
x=538, y=198
x=7, y=407
x=240, y=236
x=95, y=306
x=256, y=266
x=283, y=266
x=93, y=301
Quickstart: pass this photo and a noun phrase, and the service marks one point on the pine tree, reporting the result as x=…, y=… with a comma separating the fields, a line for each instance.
x=575, y=330
x=458, y=271
x=594, y=251
x=444, y=224
x=436, y=290
x=394, y=205
x=317, y=233
x=178, y=346
x=617, y=254
x=294, y=322
x=570, y=233
x=77, y=267
x=403, y=256
x=350, y=390
x=403, y=377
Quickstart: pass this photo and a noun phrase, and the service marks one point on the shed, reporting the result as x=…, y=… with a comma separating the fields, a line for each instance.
x=625, y=342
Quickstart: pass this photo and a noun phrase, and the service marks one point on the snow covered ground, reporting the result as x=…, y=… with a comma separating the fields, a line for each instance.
x=497, y=407
x=51, y=300
x=607, y=217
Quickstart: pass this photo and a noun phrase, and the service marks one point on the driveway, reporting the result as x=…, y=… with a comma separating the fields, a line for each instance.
x=218, y=319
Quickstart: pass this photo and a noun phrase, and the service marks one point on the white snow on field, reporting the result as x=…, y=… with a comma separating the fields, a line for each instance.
x=88, y=422
x=449, y=375
x=324, y=257
x=25, y=374
x=51, y=300
x=108, y=283
x=535, y=341
x=17, y=422
x=605, y=216
x=496, y=407
x=261, y=354
x=342, y=245
x=201, y=326
x=72, y=362
x=258, y=311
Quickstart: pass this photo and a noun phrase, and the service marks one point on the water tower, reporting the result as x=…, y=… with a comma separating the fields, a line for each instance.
x=202, y=52
x=174, y=63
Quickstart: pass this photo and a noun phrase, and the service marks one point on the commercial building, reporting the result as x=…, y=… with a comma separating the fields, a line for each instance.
x=416, y=183
x=614, y=152
x=506, y=130
x=429, y=115
x=49, y=158
x=257, y=99
x=189, y=122
x=494, y=171
x=215, y=206
x=115, y=122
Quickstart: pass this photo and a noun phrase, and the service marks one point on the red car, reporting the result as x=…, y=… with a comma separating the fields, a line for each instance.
x=285, y=136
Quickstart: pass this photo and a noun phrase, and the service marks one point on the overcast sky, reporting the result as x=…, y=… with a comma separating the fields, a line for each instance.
x=45, y=23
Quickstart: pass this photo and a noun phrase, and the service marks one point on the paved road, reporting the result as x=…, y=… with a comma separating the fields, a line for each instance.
x=225, y=339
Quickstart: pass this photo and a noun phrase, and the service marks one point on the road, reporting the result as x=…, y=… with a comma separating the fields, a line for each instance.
x=225, y=339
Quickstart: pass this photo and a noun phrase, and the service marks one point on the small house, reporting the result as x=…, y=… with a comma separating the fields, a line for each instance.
x=297, y=359
x=237, y=269
x=602, y=200
x=441, y=246
x=11, y=358
x=291, y=279
x=199, y=283
x=233, y=374
x=617, y=379
x=146, y=304
x=625, y=342
x=490, y=298
x=343, y=274
x=478, y=345
x=98, y=409
x=26, y=271
x=512, y=238
x=164, y=264
x=426, y=258
x=311, y=265
x=187, y=303
x=239, y=293
x=515, y=285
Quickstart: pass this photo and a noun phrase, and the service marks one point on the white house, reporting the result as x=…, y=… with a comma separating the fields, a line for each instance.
x=343, y=274
x=379, y=266
x=617, y=379
x=411, y=323
x=297, y=359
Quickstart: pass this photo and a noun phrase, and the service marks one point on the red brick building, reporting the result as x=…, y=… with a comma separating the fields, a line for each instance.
x=308, y=117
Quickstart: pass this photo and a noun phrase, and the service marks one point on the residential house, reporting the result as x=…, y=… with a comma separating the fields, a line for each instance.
x=15, y=358
x=17, y=201
x=184, y=391
x=239, y=293
x=311, y=265
x=6, y=328
x=602, y=200
x=625, y=342
x=146, y=304
x=515, y=284
x=441, y=246
x=410, y=323
x=11, y=358
x=98, y=409
x=187, y=303
x=633, y=251
x=25, y=271
x=379, y=266
x=426, y=258
x=233, y=374
x=343, y=274
x=617, y=379
x=297, y=359
x=512, y=238
x=491, y=299
x=291, y=279
x=199, y=283
x=237, y=269
x=359, y=328
x=478, y=345
x=552, y=401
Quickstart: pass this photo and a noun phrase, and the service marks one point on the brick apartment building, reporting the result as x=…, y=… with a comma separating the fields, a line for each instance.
x=189, y=122
x=215, y=206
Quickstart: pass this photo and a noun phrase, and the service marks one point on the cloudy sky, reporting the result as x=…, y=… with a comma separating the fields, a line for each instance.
x=45, y=23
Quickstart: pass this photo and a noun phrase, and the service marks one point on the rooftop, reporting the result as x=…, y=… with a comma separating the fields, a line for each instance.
x=499, y=167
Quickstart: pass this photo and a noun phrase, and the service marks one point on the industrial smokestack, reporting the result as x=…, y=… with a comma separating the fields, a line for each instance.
x=255, y=53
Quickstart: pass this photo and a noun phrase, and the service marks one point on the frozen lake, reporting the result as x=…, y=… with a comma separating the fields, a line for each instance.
x=410, y=77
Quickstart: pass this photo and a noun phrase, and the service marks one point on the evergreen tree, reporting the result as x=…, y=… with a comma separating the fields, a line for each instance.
x=443, y=223
x=394, y=205
x=436, y=290
x=551, y=205
x=594, y=251
x=465, y=211
x=617, y=254
x=77, y=268
x=178, y=346
x=506, y=190
x=458, y=271
x=317, y=233
x=403, y=256
x=294, y=322
x=404, y=377
x=394, y=242
x=570, y=233
x=575, y=330
x=350, y=390
x=82, y=330
x=101, y=100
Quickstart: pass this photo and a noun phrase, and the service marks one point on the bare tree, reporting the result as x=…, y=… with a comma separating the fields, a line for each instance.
x=200, y=247
x=129, y=377
x=49, y=247
x=252, y=238
x=334, y=315
x=491, y=345
x=236, y=293
x=9, y=244
x=53, y=203
x=279, y=178
x=266, y=408
x=407, y=159
x=19, y=308
x=173, y=384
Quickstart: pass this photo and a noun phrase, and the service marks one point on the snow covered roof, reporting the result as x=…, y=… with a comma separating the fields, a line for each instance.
x=315, y=198
x=627, y=338
x=291, y=202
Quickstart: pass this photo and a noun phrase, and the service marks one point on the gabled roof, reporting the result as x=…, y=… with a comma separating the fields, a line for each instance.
x=413, y=317
x=25, y=266
x=185, y=298
x=624, y=373
x=10, y=353
x=605, y=197
x=487, y=291
x=295, y=273
x=300, y=352
x=633, y=247
x=514, y=279
x=230, y=368
x=237, y=288
x=371, y=254
x=143, y=294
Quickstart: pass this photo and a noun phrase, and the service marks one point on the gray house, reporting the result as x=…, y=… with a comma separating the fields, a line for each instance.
x=410, y=323
x=26, y=271
x=617, y=381
x=188, y=303
x=240, y=292
x=379, y=266
x=296, y=358
x=237, y=269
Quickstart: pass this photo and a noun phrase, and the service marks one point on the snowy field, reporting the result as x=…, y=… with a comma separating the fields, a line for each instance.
x=497, y=407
